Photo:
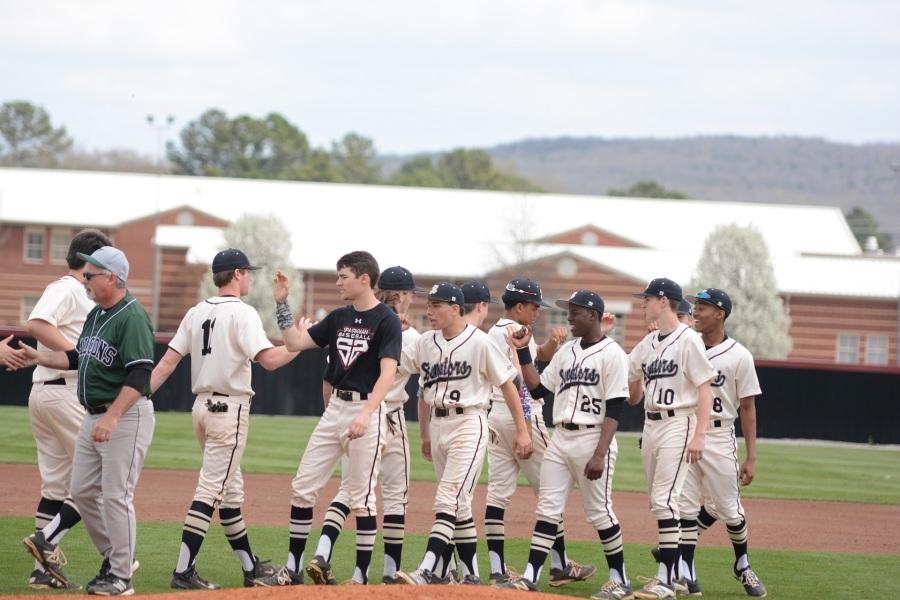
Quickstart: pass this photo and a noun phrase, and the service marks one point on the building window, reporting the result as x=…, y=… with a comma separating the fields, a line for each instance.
x=847, y=348
x=34, y=245
x=877, y=350
x=28, y=304
x=59, y=246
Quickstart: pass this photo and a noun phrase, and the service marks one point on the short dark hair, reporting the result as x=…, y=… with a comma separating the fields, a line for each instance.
x=223, y=278
x=86, y=241
x=467, y=308
x=361, y=263
x=673, y=304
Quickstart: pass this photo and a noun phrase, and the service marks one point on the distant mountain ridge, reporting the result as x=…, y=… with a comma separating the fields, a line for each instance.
x=784, y=170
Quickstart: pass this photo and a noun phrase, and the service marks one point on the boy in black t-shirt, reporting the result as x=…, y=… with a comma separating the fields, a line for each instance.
x=363, y=341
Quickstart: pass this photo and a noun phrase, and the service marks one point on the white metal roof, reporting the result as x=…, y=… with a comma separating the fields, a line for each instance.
x=859, y=276
x=455, y=233
x=413, y=215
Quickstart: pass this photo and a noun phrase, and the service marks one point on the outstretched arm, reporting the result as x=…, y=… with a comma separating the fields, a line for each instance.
x=163, y=369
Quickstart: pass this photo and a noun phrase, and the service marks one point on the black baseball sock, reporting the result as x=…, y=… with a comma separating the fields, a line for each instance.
x=366, y=529
x=614, y=550
x=686, y=549
x=236, y=534
x=669, y=536
x=705, y=520
x=466, y=539
x=301, y=523
x=196, y=524
x=542, y=539
x=495, y=533
x=558, y=557
x=441, y=534
x=331, y=528
x=393, y=530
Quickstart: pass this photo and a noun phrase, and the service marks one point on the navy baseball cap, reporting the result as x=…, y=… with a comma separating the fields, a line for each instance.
x=714, y=296
x=447, y=292
x=685, y=308
x=397, y=279
x=524, y=290
x=660, y=287
x=585, y=298
x=231, y=259
x=109, y=259
x=476, y=291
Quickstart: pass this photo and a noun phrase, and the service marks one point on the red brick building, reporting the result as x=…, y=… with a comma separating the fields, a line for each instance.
x=843, y=304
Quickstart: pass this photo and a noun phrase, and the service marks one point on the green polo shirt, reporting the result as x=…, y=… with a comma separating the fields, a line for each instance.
x=112, y=340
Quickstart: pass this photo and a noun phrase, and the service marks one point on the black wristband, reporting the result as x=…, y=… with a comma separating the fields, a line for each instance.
x=524, y=355
x=72, y=355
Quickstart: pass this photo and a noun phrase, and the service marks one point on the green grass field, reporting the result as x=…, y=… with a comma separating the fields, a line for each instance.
x=787, y=574
x=784, y=470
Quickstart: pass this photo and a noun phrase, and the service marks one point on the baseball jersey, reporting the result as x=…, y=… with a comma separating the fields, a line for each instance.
x=672, y=367
x=112, y=340
x=583, y=379
x=397, y=394
x=736, y=378
x=498, y=335
x=222, y=335
x=457, y=372
x=65, y=305
x=350, y=335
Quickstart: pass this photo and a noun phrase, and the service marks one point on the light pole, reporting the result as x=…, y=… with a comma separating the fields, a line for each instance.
x=160, y=125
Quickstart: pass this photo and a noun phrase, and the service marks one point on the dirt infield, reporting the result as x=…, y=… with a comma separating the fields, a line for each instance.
x=777, y=524
x=373, y=592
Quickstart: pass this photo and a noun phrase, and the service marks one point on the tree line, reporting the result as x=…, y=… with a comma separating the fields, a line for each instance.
x=271, y=147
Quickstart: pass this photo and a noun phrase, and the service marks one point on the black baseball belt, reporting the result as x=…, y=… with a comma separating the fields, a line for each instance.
x=350, y=396
x=574, y=427
x=446, y=412
x=97, y=410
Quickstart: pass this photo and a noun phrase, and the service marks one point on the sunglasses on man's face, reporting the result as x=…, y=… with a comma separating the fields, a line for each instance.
x=88, y=276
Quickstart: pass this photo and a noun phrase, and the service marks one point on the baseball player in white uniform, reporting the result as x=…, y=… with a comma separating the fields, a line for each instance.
x=222, y=335
x=53, y=407
x=589, y=378
x=716, y=476
x=396, y=287
x=457, y=364
x=669, y=370
x=522, y=300
x=364, y=343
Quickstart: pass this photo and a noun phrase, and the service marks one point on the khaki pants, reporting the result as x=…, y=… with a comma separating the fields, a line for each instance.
x=663, y=451
x=458, y=445
x=56, y=417
x=223, y=438
x=503, y=464
x=563, y=468
x=715, y=479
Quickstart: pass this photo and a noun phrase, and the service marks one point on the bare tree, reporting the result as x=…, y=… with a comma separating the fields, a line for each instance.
x=267, y=243
x=736, y=259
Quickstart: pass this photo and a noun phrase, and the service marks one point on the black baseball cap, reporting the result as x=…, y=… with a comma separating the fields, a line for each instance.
x=476, y=291
x=660, y=287
x=524, y=290
x=685, y=308
x=230, y=259
x=447, y=292
x=585, y=298
x=714, y=296
x=397, y=279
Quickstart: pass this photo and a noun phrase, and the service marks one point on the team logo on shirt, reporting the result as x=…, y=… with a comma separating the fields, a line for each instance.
x=719, y=380
x=660, y=368
x=352, y=342
x=98, y=349
x=577, y=376
x=445, y=371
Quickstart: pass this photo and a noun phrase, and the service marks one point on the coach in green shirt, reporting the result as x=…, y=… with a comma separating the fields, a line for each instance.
x=114, y=358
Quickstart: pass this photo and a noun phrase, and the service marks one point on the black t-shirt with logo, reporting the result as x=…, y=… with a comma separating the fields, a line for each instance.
x=357, y=341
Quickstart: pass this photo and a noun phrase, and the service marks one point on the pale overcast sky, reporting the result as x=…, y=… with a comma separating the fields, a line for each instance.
x=420, y=75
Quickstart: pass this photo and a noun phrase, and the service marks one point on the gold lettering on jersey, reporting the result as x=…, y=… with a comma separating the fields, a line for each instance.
x=659, y=368
x=445, y=371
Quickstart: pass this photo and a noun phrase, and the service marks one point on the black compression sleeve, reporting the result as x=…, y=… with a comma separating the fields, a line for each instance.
x=72, y=355
x=539, y=392
x=138, y=377
x=614, y=408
